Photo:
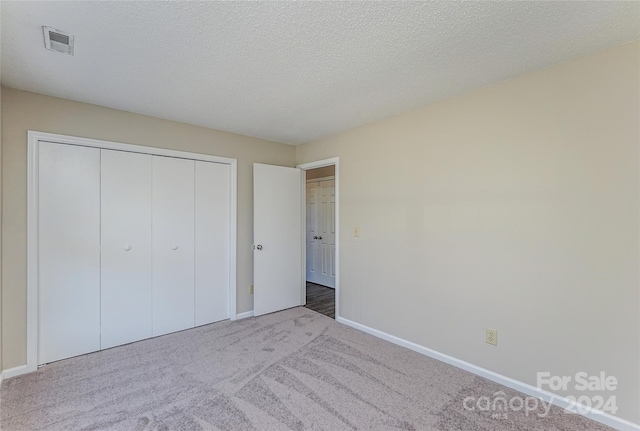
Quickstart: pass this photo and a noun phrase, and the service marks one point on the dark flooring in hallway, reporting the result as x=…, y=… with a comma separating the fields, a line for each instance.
x=321, y=299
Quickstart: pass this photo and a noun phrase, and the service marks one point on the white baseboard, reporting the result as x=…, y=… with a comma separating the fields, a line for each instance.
x=15, y=371
x=557, y=400
x=244, y=315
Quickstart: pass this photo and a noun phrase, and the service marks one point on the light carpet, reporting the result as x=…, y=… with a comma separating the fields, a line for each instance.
x=291, y=370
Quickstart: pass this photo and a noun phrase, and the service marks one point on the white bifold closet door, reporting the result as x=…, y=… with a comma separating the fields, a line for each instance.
x=212, y=239
x=69, y=251
x=126, y=248
x=173, y=244
x=131, y=246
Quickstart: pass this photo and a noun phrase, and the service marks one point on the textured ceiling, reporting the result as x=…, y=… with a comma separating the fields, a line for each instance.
x=294, y=72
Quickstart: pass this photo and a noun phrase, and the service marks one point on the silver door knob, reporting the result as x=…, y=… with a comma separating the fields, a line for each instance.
x=259, y=246
x=127, y=248
x=175, y=247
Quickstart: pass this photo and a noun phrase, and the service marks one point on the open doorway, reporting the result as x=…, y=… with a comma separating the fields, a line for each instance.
x=320, y=240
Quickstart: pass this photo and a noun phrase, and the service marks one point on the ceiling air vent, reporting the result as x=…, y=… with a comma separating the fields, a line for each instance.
x=59, y=41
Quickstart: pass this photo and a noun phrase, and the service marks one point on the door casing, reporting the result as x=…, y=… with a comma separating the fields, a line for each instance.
x=334, y=161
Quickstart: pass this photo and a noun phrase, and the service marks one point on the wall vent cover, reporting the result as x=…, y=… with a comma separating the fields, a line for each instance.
x=58, y=41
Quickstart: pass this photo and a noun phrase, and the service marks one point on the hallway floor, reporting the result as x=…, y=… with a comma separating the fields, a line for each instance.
x=321, y=299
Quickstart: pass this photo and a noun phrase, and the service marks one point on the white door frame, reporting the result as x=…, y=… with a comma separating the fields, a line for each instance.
x=34, y=139
x=319, y=180
x=335, y=161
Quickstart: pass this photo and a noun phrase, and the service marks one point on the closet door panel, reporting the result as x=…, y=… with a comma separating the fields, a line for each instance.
x=173, y=244
x=212, y=227
x=69, y=251
x=126, y=247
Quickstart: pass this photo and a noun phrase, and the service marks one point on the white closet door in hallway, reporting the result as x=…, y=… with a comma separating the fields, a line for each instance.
x=313, y=244
x=321, y=223
x=69, y=251
x=126, y=314
x=173, y=244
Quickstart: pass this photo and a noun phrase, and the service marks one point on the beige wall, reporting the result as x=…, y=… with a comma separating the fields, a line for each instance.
x=514, y=207
x=326, y=171
x=22, y=111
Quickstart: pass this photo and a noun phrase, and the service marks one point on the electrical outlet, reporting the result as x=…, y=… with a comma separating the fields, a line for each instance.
x=251, y=289
x=492, y=336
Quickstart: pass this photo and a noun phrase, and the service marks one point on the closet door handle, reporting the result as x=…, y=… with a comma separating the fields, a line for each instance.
x=259, y=246
x=127, y=248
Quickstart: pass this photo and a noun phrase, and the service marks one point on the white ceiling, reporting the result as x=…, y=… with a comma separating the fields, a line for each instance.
x=294, y=72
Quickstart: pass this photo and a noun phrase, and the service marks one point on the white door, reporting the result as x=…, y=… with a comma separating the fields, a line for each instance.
x=327, y=233
x=69, y=251
x=313, y=244
x=213, y=233
x=173, y=244
x=277, y=234
x=321, y=234
x=126, y=248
